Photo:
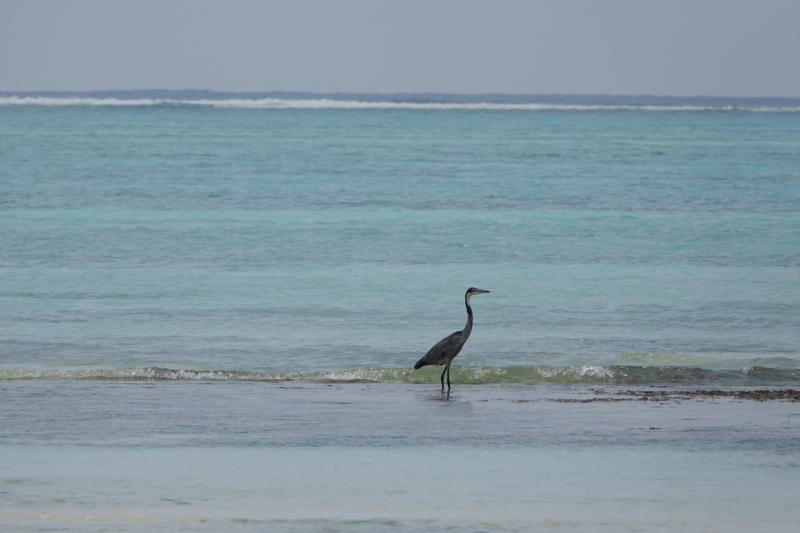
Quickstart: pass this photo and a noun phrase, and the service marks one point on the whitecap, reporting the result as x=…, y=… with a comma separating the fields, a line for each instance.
x=327, y=103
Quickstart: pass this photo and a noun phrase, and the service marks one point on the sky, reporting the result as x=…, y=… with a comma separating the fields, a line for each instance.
x=669, y=47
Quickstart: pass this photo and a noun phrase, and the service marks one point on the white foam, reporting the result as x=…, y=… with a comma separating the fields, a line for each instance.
x=325, y=103
x=47, y=101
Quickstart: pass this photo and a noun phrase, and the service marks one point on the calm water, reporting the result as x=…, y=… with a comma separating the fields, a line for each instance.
x=232, y=456
x=223, y=253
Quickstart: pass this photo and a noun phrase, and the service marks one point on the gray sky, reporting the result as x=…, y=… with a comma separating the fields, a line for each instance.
x=670, y=47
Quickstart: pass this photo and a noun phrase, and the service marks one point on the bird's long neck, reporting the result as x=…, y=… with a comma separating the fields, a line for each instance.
x=468, y=327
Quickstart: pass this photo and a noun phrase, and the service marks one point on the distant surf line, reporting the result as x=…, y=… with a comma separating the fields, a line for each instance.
x=328, y=103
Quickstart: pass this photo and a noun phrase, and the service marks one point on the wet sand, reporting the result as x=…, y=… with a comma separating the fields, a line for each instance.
x=657, y=395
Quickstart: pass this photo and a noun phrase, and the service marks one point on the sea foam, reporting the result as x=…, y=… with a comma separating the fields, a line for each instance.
x=611, y=374
x=328, y=103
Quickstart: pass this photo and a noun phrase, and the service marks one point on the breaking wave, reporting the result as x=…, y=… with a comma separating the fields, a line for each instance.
x=620, y=375
x=328, y=103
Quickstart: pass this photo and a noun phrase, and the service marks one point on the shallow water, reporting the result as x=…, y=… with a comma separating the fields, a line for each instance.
x=170, y=456
x=209, y=316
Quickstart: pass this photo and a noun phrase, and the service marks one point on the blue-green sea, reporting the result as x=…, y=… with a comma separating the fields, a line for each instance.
x=210, y=310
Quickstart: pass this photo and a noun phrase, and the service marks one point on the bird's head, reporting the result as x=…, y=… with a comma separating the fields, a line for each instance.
x=472, y=291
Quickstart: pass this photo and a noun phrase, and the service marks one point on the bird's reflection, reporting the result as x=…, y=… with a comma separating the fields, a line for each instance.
x=444, y=398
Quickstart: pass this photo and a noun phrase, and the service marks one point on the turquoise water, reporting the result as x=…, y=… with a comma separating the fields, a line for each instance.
x=338, y=240
x=220, y=254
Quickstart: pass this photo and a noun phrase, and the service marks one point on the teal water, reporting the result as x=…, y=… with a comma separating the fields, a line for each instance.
x=210, y=312
x=337, y=240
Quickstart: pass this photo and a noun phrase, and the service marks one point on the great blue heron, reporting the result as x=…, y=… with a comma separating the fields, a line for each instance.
x=447, y=349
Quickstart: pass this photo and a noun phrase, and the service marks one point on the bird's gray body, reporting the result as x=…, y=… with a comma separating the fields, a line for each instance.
x=444, y=351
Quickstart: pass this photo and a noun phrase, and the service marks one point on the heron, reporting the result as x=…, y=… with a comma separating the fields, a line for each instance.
x=444, y=351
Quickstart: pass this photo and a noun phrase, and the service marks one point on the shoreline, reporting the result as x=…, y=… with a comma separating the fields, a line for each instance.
x=506, y=457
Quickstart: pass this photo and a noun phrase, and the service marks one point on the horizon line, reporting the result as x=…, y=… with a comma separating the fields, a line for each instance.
x=305, y=93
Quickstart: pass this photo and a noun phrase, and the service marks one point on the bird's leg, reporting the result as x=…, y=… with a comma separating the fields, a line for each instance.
x=448, y=378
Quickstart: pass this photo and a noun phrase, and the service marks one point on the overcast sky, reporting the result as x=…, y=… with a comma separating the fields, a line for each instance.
x=669, y=47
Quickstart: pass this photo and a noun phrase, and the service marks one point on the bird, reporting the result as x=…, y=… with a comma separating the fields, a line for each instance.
x=444, y=351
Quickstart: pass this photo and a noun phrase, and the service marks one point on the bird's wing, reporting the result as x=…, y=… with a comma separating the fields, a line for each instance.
x=444, y=349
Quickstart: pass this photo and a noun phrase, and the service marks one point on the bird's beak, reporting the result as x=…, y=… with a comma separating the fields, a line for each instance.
x=481, y=291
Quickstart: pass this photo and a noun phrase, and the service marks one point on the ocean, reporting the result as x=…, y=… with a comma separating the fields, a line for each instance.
x=211, y=305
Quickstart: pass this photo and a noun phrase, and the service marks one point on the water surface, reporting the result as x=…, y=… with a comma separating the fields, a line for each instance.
x=209, y=313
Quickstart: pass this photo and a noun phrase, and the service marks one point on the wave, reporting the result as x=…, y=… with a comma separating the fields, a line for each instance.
x=613, y=375
x=327, y=103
